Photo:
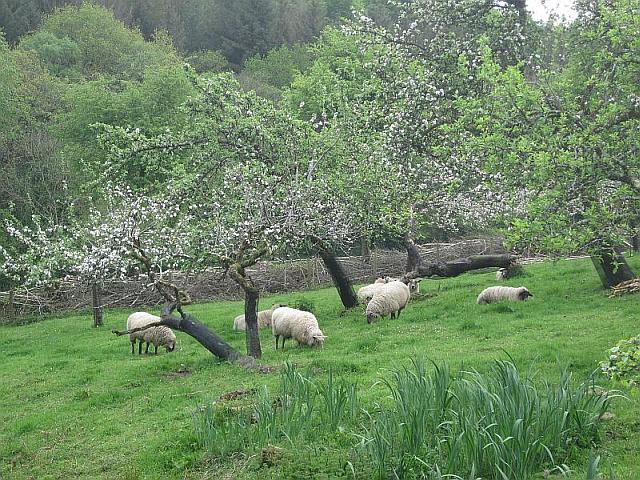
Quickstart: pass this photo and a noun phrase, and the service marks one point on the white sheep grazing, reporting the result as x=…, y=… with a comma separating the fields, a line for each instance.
x=264, y=318
x=496, y=294
x=297, y=324
x=365, y=293
x=159, y=336
x=391, y=299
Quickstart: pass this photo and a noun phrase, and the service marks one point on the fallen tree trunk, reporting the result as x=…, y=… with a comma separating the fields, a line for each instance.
x=456, y=267
x=191, y=326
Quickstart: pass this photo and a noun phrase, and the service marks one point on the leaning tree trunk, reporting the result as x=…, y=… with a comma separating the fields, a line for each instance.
x=456, y=267
x=96, y=298
x=191, y=326
x=612, y=267
x=339, y=277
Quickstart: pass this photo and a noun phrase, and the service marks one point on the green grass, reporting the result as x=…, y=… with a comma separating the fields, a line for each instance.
x=74, y=403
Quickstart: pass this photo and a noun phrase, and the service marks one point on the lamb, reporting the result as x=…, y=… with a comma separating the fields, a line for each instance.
x=501, y=274
x=496, y=294
x=391, y=299
x=264, y=318
x=159, y=336
x=297, y=324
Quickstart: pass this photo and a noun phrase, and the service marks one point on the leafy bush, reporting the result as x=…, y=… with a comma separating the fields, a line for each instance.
x=304, y=303
x=623, y=364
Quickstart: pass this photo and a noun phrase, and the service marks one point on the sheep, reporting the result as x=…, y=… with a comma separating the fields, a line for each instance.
x=501, y=274
x=297, y=324
x=264, y=318
x=365, y=293
x=157, y=335
x=495, y=294
x=391, y=299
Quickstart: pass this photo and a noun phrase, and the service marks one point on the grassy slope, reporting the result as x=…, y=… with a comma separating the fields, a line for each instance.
x=75, y=403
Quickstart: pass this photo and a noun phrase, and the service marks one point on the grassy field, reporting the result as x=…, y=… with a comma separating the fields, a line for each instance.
x=74, y=403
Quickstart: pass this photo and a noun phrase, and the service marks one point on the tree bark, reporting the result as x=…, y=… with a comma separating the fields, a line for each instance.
x=98, y=311
x=414, y=259
x=612, y=267
x=339, y=277
x=208, y=339
x=251, y=297
x=456, y=267
x=365, y=250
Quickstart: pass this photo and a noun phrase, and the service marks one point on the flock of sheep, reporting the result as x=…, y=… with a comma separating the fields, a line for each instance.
x=386, y=296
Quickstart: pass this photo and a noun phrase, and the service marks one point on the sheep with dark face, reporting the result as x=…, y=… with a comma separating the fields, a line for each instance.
x=159, y=336
x=499, y=293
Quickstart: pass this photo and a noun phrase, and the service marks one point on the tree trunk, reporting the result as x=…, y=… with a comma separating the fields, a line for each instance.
x=454, y=268
x=612, y=267
x=238, y=274
x=251, y=298
x=340, y=278
x=414, y=259
x=96, y=298
x=366, y=250
x=208, y=339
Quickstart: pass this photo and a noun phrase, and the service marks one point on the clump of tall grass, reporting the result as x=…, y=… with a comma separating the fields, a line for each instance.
x=494, y=426
x=300, y=407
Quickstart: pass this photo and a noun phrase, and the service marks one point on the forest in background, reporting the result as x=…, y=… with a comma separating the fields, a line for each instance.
x=236, y=30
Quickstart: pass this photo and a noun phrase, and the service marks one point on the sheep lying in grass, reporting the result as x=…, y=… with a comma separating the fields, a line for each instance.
x=159, y=336
x=297, y=324
x=496, y=294
x=390, y=300
x=264, y=318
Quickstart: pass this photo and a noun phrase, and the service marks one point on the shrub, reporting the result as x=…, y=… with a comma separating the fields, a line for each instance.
x=304, y=303
x=623, y=364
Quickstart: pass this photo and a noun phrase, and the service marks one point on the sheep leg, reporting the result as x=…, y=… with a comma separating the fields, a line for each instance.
x=277, y=337
x=283, y=339
x=156, y=352
x=398, y=314
x=133, y=347
x=140, y=347
x=146, y=350
x=393, y=315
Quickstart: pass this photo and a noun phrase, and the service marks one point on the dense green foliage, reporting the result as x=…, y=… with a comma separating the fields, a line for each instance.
x=238, y=29
x=87, y=403
x=623, y=363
